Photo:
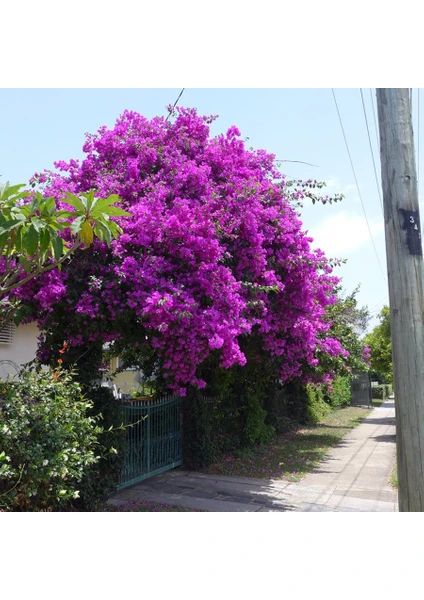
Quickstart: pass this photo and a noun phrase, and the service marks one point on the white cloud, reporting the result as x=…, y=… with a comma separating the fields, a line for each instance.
x=350, y=191
x=343, y=233
x=332, y=184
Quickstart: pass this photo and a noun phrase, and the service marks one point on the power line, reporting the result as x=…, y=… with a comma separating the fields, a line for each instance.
x=372, y=153
x=378, y=303
x=378, y=310
x=175, y=104
x=357, y=184
x=277, y=160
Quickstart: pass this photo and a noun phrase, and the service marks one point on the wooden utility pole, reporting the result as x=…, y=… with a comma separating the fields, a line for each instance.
x=405, y=271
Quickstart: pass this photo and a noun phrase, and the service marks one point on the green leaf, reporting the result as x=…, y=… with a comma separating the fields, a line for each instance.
x=48, y=206
x=10, y=190
x=44, y=240
x=3, y=240
x=34, y=204
x=67, y=214
x=112, y=199
x=111, y=211
x=26, y=264
x=98, y=232
x=56, y=225
x=30, y=240
x=103, y=232
x=19, y=214
x=9, y=225
x=114, y=229
x=38, y=225
x=77, y=224
x=57, y=244
x=22, y=212
x=18, y=240
x=116, y=211
x=74, y=201
x=90, y=199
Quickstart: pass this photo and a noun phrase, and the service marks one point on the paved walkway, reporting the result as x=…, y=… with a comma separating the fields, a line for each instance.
x=354, y=477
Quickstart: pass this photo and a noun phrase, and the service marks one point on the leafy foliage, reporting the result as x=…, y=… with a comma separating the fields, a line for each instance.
x=348, y=324
x=340, y=392
x=380, y=392
x=101, y=478
x=47, y=441
x=380, y=343
x=318, y=408
x=35, y=236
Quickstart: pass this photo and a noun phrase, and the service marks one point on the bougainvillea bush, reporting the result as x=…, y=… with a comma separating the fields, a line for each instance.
x=212, y=254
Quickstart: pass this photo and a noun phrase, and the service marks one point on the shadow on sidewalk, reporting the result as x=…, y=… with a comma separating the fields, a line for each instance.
x=391, y=438
x=387, y=405
x=322, y=426
x=213, y=493
x=380, y=421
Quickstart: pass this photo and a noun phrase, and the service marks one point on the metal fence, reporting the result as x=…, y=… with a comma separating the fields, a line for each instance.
x=153, y=437
x=361, y=389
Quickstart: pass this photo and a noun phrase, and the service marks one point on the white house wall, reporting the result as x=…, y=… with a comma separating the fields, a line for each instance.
x=22, y=349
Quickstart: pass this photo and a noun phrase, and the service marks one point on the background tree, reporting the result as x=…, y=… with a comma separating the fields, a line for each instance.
x=380, y=343
x=348, y=325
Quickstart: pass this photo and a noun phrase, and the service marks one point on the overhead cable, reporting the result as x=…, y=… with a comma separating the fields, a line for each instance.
x=357, y=185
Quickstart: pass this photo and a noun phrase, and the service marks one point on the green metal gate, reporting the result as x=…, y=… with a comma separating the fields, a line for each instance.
x=153, y=438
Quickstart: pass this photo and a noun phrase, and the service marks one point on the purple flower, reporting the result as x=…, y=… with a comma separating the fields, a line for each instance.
x=213, y=252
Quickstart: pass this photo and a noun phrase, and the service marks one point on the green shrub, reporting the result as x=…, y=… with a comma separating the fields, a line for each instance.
x=294, y=402
x=216, y=425
x=101, y=478
x=243, y=418
x=377, y=392
x=47, y=440
x=201, y=443
x=340, y=395
x=317, y=406
x=255, y=430
x=212, y=426
x=286, y=406
x=381, y=392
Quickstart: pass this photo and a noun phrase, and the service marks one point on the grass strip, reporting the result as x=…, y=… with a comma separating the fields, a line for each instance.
x=394, y=476
x=291, y=456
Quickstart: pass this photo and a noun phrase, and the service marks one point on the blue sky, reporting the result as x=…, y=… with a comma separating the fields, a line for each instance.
x=39, y=126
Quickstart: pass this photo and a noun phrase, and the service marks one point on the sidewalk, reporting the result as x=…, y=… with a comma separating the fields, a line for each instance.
x=354, y=477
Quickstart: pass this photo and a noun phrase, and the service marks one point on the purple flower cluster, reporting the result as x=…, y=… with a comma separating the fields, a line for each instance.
x=366, y=355
x=213, y=250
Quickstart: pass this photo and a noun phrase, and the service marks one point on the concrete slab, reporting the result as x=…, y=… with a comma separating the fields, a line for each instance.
x=339, y=503
x=212, y=505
